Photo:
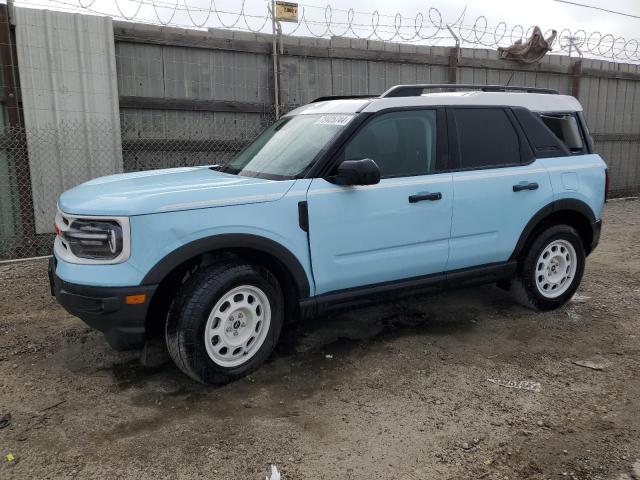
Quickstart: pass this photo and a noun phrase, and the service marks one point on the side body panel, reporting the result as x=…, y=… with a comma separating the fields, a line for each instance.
x=154, y=236
x=371, y=234
x=579, y=177
x=488, y=216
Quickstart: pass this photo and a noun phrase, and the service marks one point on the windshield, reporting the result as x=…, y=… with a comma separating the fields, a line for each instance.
x=288, y=147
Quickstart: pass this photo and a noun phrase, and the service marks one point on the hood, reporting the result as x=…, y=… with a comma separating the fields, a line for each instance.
x=168, y=190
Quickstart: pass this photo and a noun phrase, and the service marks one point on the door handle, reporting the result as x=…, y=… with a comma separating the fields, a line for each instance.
x=425, y=196
x=525, y=186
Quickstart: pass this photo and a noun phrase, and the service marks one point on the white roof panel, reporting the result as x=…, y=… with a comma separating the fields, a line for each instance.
x=536, y=102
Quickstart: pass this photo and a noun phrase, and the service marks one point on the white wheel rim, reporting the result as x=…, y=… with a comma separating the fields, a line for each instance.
x=237, y=326
x=556, y=268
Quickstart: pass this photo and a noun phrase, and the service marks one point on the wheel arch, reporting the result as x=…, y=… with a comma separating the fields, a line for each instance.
x=170, y=272
x=572, y=212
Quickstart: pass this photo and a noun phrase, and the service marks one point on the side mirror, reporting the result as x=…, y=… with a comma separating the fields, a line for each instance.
x=358, y=172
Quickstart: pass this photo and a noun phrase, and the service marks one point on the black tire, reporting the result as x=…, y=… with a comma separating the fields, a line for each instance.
x=524, y=287
x=188, y=315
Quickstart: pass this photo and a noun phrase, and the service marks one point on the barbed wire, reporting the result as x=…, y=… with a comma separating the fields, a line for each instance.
x=325, y=22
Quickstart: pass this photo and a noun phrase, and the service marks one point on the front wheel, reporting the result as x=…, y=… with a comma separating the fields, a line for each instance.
x=225, y=322
x=552, y=268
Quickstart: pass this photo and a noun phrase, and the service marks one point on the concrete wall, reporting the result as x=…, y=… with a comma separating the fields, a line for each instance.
x=70, y=103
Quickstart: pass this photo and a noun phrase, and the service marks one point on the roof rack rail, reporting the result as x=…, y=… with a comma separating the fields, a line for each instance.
x=417, y=90
x=342, y=97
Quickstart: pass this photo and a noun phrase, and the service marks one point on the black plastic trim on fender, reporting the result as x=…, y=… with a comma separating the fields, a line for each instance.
x=371, y=294
x=566, y=204
x=303, y=216
x=230, y=241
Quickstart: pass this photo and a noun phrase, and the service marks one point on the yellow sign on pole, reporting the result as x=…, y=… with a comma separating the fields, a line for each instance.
x=286, y=12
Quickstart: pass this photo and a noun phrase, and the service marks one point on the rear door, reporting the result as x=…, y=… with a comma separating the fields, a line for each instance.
x=396, y=229
x=497, y=184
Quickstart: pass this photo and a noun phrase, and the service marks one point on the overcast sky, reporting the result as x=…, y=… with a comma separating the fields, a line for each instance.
x=548, y=14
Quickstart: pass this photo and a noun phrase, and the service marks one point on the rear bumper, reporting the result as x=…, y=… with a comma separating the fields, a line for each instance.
x=105, y=309
x=596, y=228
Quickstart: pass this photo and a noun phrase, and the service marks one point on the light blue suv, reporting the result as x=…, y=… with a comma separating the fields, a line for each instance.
x=341, y=202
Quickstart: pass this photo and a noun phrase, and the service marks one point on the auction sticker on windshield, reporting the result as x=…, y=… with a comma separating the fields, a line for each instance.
x=341, y=120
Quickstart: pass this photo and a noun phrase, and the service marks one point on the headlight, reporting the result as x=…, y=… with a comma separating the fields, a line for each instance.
x=92, y=239
x=96, y=239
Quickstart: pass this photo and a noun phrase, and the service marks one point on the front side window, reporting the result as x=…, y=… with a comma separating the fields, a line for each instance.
x=287, y=148
x=486, y=138
x=401, y=143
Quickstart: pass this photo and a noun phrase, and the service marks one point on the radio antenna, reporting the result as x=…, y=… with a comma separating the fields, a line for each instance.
x=509, y=81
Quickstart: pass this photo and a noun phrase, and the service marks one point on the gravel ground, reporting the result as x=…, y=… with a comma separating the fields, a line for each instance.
x=415, y=390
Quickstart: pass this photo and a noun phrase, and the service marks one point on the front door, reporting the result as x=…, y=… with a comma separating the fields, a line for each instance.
x=396, y=229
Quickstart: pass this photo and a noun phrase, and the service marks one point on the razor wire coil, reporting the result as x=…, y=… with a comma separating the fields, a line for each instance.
x=327, y=22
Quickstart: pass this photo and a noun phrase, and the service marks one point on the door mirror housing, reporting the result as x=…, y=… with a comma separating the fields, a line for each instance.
x=358, y=172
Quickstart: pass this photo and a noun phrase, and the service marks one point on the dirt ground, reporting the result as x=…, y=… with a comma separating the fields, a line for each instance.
x=414, y=390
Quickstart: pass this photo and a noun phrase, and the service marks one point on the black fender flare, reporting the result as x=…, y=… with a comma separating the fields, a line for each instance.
x=229, y=241
x=565, y=204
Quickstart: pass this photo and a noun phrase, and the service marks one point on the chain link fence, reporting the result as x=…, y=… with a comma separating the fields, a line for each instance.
x=31, y=179
x=152, y=141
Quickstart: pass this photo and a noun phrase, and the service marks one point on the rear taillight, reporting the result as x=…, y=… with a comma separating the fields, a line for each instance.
x=606, y=184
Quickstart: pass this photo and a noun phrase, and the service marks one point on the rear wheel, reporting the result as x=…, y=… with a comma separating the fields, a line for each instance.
x=551, y=269
x=225, y=322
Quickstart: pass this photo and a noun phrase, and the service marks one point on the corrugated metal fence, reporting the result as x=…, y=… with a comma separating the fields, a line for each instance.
x=188, y=97
x=172, y=79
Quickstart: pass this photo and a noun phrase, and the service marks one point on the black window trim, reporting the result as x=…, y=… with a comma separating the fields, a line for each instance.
x=331, y=162
x=447, y=138
x=538, y=152
x=586, y=132
x=527, y=156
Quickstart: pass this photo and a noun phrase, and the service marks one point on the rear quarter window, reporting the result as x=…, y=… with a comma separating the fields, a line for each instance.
x=566, y=128
x=543, y=141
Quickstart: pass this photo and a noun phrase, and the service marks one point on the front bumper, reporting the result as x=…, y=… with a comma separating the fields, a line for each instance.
x=105, y=309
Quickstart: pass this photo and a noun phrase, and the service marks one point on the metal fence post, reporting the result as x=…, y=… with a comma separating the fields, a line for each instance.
x=16, y=143
x=575, y=71
x=454, y=58
x=276, y=70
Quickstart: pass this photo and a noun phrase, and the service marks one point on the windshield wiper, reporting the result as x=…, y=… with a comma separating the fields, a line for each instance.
x=227, y=169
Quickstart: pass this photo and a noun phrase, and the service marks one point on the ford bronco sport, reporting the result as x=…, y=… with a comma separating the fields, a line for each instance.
x=340, y=202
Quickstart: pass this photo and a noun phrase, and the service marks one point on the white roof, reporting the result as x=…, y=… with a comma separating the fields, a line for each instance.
x=536, y=102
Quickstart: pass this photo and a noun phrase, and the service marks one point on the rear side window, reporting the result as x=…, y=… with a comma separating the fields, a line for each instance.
x=486, y=138
x=565, y=127
x=401, y=143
